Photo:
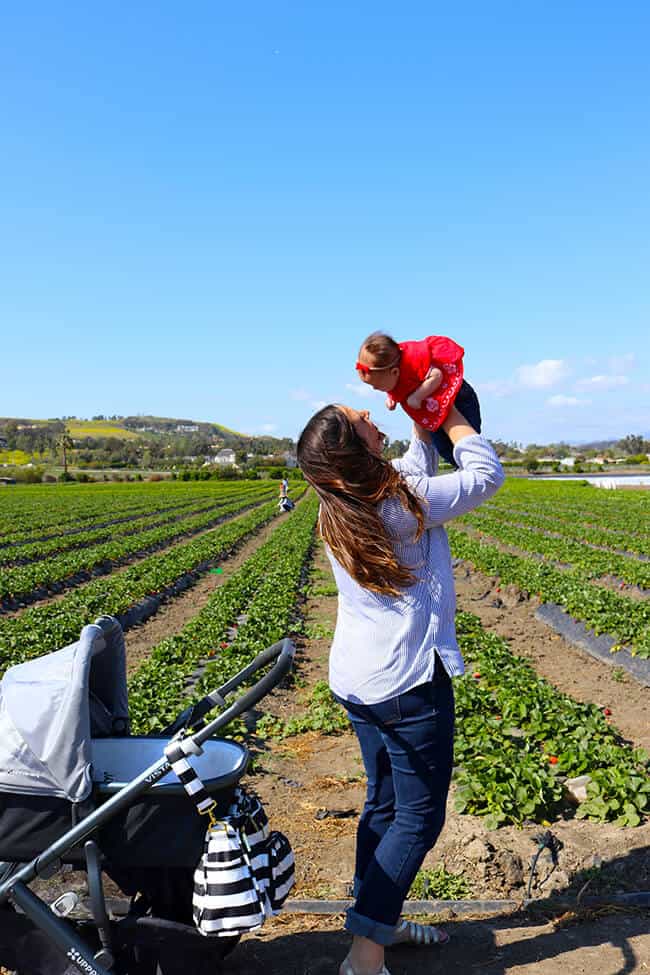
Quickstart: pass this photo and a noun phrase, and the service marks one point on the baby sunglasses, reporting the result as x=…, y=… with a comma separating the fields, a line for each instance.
x=362, y=367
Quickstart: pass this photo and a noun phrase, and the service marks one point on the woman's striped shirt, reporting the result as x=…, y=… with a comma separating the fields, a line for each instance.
x=386, y=645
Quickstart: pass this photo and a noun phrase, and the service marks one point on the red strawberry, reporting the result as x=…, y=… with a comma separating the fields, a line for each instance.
x=552, y=759
x=224, y=646
x=476, y=675
x=606, y=712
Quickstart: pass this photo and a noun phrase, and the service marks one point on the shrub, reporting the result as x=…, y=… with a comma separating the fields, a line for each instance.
x=227, y=473
x=28, y=475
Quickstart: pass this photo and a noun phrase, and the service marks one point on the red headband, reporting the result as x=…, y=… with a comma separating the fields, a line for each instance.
x=362, y=367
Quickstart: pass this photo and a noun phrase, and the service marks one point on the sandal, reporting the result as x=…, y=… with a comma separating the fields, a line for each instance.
x=347, y=969
x=410, y=933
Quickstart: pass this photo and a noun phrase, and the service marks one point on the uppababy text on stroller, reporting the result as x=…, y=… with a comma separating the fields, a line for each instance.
x=77, y=789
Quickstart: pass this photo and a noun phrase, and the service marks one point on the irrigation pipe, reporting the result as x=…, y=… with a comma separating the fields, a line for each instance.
x=120, y=906
x=639, y=898
x=600, y=647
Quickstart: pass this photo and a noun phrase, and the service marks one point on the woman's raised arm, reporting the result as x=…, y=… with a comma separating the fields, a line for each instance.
x=448, y=496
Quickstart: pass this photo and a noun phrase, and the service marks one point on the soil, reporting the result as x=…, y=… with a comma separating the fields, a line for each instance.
x=517, y=945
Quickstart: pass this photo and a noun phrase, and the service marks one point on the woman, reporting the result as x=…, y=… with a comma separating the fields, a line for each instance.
x=394, y=649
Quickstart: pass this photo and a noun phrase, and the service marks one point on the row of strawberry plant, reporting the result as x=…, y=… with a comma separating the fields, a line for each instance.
x=119, y=528
x=43, y=548
x=58, y=508
x=627, y=620
x=583, y=504
x=17, y=583
x=32, y=512
x=570, y=526
x=592, y=562
x=265, y=588
x=594, y=504
x=518, y=739
x=42, y=629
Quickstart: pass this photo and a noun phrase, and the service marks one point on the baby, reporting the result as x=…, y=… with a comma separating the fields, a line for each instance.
x=425, y=378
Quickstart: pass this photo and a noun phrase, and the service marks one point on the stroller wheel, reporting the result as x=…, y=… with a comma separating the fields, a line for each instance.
x=153, y=946
x=227, y=944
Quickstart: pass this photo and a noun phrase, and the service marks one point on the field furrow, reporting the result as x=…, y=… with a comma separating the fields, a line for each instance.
x=249, y=612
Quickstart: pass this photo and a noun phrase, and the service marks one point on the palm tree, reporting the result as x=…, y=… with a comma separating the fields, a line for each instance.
x=65, y=443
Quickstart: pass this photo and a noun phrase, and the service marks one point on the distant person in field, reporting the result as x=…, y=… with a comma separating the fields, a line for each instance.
x=425, y=378
x=284, y=486
x=394, y=651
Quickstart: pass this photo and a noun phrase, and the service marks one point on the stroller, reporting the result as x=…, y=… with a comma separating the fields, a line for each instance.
x=77, y=791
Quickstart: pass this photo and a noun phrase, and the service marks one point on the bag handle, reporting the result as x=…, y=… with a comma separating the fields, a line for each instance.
x=176, y=752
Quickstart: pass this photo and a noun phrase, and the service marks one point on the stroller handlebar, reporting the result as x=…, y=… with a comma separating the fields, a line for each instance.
x=281, y=652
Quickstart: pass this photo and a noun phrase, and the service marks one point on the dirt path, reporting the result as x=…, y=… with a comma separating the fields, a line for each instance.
x=520, y=945
x=175, y=613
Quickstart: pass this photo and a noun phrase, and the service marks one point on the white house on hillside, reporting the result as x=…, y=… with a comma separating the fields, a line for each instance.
x=225, y=456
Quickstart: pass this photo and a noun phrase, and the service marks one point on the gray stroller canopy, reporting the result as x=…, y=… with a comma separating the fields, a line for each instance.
x=51, y=708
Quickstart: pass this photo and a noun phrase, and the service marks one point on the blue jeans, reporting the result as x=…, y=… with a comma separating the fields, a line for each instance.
x=407, y=749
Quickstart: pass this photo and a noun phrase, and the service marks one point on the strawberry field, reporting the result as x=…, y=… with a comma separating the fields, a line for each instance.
x=581, y=548
x=185, y=546
x=203, y=576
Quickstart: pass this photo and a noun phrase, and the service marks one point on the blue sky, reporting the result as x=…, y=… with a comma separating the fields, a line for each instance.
x=206, y=207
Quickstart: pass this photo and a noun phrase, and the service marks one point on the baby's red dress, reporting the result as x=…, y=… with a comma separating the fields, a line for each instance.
x=416, y=360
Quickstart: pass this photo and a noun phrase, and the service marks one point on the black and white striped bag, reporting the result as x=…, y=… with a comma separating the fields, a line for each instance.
x=246, y=871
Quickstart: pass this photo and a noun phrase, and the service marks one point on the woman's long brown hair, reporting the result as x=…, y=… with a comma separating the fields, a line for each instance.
x=351, y=483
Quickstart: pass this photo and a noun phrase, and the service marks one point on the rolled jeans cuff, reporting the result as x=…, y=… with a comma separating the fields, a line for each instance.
x=365, y=927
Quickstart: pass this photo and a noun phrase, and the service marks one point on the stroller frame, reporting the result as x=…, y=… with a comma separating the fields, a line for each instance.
x=16, y=890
